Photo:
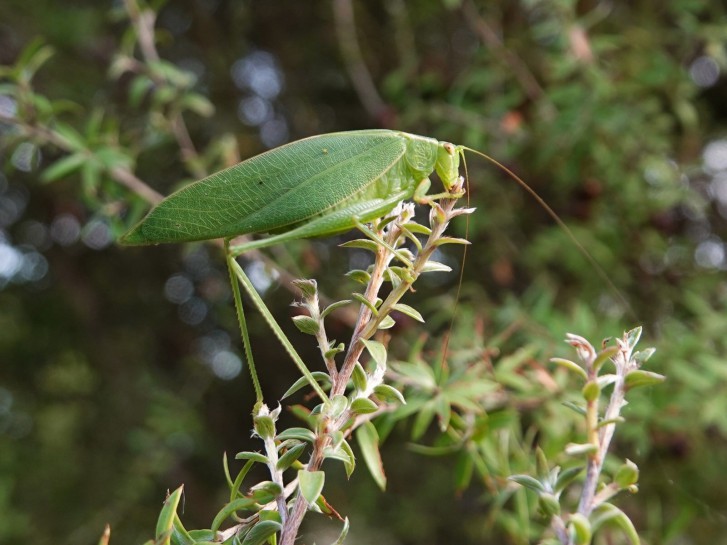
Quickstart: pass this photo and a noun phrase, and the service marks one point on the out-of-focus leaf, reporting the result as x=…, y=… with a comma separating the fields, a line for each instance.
x=368, y=441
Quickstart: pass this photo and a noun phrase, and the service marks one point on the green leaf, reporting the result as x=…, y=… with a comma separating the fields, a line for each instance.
x=311, y=484
x=417, y=228
x=607, y=513
x=604, y=355
x=350, y=464
x=389, y=393
x=642, y=356
x=363, y=243
x=565, y=477
x=265, y=491
x=576, y=408
x=261, y=532
x=528, y=482
x=422, y=420
x=165, y=522
x=72, y=137
x=377, y=351
x=198, y=104
x=368, y=441
x=627, y=474
x=580, y=449
x=254, y=456
x=359, y=378
x=297, y=433
x=451, y=240
x=435, y=266
x=202, y=535
x=571, y=366
x=387, y=323
x=306, y=324
x=363, y=405
x=639, y=378
x=361, y=299
x=580, y=528
x=239, y=504
x=321, y=377
x=633, y=336
x=409, y=311
x=335, y=306
x=343, y=534
x=63, y=167
x=180, y=535
x=287, y=459
x=235, y=487
x=359, y=276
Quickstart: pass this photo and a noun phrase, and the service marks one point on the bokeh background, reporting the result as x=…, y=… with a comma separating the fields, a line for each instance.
x=121, y=374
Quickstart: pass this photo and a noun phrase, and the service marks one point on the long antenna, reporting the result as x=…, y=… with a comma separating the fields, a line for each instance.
x=563, y=226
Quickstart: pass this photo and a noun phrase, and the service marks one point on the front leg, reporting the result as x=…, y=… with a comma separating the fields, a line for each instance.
x=421, y=197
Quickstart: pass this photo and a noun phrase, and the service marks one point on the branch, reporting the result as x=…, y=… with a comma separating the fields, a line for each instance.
x=360, y=76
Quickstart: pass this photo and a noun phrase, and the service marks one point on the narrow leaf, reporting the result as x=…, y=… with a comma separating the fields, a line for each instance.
x=363, y=243
x=389, y=393
x=63, y=167
x=335, y=306
x=261, y=532
x=409, y=311
x=165, y=522
x=297, y=433
x=343, y=534
x=321, y=377
x=368, y=441
x=377, y=351
x=571, y=366
x=254, y=456
x=363, y=405
x=240, y=504
x=639, y=378
x=287, y=459
x=435, y=266
x=528, y=482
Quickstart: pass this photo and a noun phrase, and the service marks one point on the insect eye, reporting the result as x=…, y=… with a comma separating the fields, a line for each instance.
x=449, y=148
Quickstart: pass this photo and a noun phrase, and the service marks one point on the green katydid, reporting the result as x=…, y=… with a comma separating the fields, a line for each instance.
x=318, y=186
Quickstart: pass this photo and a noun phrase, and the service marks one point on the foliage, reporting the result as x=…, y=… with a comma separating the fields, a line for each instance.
x=612, y=112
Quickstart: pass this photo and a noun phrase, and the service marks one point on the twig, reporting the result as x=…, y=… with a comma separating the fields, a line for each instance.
x=352, y=57
x=520, y=70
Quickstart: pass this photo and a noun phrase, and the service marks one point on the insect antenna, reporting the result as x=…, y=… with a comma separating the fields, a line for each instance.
x=599, y=270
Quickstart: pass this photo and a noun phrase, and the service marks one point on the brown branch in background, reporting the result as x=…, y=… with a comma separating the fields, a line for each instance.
x=488, y=36
x=144, y=22
x=360, y=76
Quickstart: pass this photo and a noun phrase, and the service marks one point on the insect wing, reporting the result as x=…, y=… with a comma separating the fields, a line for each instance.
x=277, y=189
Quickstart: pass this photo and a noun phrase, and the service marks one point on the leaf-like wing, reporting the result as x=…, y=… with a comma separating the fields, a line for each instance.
x=273, y=191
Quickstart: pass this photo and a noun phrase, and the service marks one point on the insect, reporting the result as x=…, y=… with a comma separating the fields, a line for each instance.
x=317, y=186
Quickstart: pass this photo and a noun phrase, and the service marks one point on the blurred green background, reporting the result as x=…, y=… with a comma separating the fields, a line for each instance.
x=120, y=369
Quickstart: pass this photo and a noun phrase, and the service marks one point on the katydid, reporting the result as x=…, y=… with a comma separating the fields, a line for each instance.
x=317, y=186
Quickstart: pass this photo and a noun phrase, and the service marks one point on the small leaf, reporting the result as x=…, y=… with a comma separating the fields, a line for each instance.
x=265, y=491
x=571, y=366
x=235, y=487
x=580, y=529
x=607, y=513
x=297, y=433
x=435, y=266
x=335, y=306
x=418, y=228
x=548, y=504
x=63, y=167
x=565, y=477
x=528, y=482
x=307, y=287
x=357, y=275
x=264, y=426
x=254, y=456
x=363, y=243
x=338, y=405
x=591, y=390
x=343, y=534
x=580, y=449
x=642, y=356
x=311, y=484
x=261, y=532
x=359, y=377
x=409, y=311
x=363, y=405
x=639, y=377
x=361, y=299
x=627, y=474
x=377, y=351
x=603, y=356
x=422, y=420
x=576, y=408
x=451, y=240
x=322, y=378
x=633, y=336
x=368, y=441
x=240, y=504
x=615, y=420
x=287, y=459
x=387, y=323
x=389, y=393
x=165, y=522
x=331, y=352
x=306, y=324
